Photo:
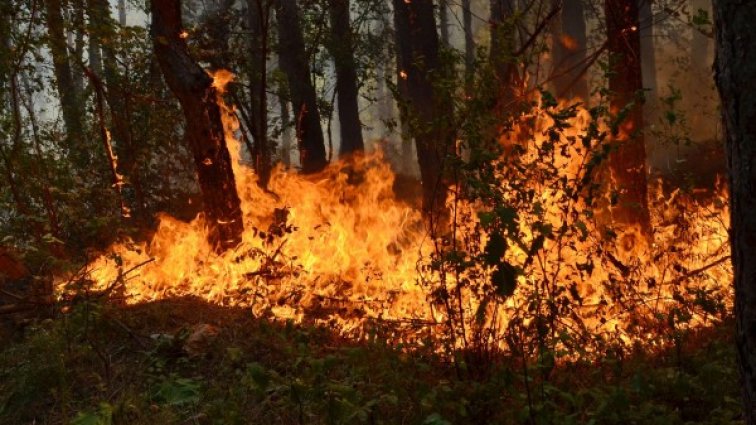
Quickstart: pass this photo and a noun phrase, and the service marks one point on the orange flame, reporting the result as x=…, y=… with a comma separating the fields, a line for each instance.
x=338, y=248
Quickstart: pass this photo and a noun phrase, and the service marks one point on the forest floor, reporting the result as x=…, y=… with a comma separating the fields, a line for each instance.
x=186, y=361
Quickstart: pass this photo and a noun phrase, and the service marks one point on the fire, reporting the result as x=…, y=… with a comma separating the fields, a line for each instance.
x=338, y=248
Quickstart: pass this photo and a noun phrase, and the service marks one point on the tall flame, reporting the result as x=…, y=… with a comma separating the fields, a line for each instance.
x=339, y=248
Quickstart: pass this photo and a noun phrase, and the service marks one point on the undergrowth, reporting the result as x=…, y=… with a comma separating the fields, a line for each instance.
x=104, y=364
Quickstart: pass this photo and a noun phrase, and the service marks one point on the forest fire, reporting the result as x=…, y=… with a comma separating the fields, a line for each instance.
x=477, y=212
x=337, y=248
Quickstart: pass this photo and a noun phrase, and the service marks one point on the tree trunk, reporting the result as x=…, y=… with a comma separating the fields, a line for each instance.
x=735, y=76
x=342, y=49
x=117, y=95
x=76, y=34
x=628, y=162
x=204, y=129
x=699, y=50
x=443, y=16
x=95, y=52
x=408, y=161
x=286, y=138
x=648, y=53
x=70, y=99
x=8, y=98
x=296, y=66
x=41, y=169
x=6, y=47
x=258, y=19
x=648, y=69
x=570, y=45
x=122, y=13
x=469, y=43
x=428, y=111
x=503, y=39
x=384, y=98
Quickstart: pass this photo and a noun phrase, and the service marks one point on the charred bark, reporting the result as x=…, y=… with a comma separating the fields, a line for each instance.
x=628, y=162
x=735, y=68
x=295, y=65
x=428, y=110
x=204, y=129
x=342, y=50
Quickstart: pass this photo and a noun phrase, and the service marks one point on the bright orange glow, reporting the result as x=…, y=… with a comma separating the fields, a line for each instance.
x=339, y=249
x=569, y=42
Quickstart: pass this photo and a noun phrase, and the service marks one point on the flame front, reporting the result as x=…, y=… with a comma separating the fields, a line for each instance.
x=338, y=248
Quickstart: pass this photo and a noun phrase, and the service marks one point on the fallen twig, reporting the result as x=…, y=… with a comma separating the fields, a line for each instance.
x=698, y=271
x=11, y=294
x=16, y=308
x=120, y=277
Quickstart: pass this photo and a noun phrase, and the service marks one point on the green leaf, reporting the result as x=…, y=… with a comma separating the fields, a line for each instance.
x=504, y=279
x=435, y=419
x=178, y=392
x=496, y=247
x=701, y=18
x=103, y=416
x=486, y=218
x=259, y=375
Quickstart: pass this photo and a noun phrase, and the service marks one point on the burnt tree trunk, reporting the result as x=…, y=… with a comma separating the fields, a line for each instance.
x=570, y=45
x=295, y=64
x=204, y=129
x=70, y=96
x=342, y=49
x=258, y=19
x=628, y=162
x=428, y=110
x=735, y=23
